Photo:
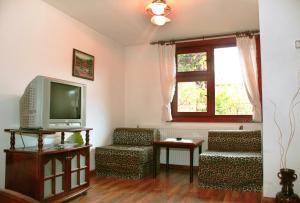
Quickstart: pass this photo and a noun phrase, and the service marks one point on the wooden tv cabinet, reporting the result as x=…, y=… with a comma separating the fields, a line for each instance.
x=48, y=172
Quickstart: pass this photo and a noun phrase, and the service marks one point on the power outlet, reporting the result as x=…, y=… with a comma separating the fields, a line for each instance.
x=298, y=78
x=297, y=44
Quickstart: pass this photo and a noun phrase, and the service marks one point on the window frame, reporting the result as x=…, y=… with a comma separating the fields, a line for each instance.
x=208, y=46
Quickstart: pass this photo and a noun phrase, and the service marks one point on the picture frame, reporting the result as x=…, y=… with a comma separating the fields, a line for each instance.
x=83, y=65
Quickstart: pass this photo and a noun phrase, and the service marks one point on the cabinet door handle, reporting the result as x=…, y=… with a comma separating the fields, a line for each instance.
x=68, y=158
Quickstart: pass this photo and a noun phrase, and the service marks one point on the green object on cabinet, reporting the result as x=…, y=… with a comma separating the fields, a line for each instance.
x=76, y=138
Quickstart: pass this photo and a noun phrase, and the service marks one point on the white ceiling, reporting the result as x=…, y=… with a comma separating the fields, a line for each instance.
x=126, y=21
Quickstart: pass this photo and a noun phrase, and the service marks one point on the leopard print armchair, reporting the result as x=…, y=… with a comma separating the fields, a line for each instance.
x=233, y=161
x=130, y=155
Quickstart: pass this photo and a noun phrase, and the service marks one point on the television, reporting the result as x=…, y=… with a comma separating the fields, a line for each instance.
x=49, y=103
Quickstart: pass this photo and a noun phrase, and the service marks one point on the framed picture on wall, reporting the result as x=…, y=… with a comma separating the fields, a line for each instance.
x=83, y=65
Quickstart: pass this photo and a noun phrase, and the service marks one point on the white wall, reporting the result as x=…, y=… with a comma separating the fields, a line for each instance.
x=143, y=101
x=279, y=26
x=35, y=38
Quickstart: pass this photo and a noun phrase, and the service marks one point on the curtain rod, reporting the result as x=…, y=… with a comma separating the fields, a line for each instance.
x=250, y=32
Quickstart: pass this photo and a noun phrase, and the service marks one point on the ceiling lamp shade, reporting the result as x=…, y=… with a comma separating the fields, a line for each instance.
x=159, y=20
x=159, y=9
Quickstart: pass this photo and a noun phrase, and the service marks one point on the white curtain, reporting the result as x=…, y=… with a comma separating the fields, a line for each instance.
x=167, y=78
x=247, y=53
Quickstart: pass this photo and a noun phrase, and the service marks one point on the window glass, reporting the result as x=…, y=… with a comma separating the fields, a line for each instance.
x=230, y=93
x=192, y=62
x=192, y=96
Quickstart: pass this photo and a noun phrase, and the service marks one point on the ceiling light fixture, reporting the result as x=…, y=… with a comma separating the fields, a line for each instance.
x=159, y=9
x=159, y=20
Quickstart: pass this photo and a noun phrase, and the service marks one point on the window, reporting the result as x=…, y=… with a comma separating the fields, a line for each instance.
x=209, y=84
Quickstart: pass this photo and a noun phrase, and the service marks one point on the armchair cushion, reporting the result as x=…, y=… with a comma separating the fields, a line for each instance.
x=135, y=136
x=124, y=154
x=237, y=170
x=234, y=140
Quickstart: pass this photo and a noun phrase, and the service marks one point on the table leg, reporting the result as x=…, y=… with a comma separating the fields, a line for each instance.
x=167, y=159
x=200, y=149
x=154, y=161
x=191, y=164
x=87, y=137
x=62, y=138
x=12, y=140
x=40, y=141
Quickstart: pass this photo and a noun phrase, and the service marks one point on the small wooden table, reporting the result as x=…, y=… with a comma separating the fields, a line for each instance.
x=174, y=143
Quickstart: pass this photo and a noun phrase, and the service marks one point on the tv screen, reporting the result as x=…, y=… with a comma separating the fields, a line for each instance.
x=65, y=101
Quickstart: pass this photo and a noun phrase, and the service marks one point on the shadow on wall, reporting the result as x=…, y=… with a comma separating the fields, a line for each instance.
x=108, y=138
x=9, y=111
x=9, y=118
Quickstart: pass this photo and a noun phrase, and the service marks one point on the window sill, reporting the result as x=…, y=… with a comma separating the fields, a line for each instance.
x=216, y=119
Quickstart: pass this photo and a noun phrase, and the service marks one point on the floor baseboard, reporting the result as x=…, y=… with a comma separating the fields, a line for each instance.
x=268, y=200
x=93, y=173
x=179, y=167
x=162, y=166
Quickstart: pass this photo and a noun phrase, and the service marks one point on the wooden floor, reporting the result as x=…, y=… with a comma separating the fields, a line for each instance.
x=172, y=187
